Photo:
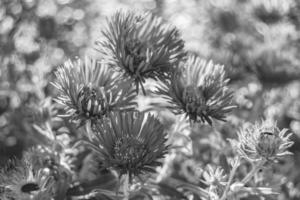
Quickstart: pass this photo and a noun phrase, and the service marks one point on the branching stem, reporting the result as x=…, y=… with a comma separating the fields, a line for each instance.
x=255, y=169
x=232, y=173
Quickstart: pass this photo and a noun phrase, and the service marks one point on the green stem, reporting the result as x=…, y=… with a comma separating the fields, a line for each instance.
x=232, y=173
x=255, y=169
x=126, y=187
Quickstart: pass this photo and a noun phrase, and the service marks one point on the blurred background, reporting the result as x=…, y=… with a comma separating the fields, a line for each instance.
x=258, y=42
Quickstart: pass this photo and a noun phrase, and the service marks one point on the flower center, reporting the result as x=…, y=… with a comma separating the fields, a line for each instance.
x=268, y=144
x=130, y=151
x=30, y=187
x=194, y=100
x=136, y=50
x=90, y=103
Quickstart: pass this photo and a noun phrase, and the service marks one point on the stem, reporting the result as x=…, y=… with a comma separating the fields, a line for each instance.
x=257, y=106
x=255, y=169
x=89, y=130
x=126, y=187
x=232, y=173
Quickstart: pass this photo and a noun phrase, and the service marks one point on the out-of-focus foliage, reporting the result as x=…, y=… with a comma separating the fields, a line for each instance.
x=35, y=36
x=256, y=41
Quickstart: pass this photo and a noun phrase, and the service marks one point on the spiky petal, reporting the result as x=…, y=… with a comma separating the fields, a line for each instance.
x=132, y=143
x=141, y=46
x=20, y=181
x=215, y=178
x=198, y=89
x=262, y=141
x=89, y=90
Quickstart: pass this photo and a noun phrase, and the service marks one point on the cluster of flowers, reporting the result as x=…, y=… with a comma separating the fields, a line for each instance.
x=101, y=95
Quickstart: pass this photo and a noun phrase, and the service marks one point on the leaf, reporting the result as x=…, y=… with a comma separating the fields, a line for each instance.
x=106, y=182
x=172, y=185
x=170, y=191
x=224, y=163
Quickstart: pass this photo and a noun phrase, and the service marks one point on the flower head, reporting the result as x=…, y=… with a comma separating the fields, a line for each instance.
x=262, y=141
x=40, y=114
x=226, y=20
x=190, y=170
x=216, y=179
x=22, y=182
x=271, y=11
x=132, y=143
x=274, y=68
x=141, y=46
x=89, y=90
x=199, y=90
x=52, y=161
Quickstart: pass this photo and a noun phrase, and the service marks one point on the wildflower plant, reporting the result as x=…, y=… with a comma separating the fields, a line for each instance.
x=144, y=152
x=41, y=114
x=132, y=143
x=24, y=183
x=262, y=141
x=49, y=159
x=141, y=46
x=271, y=11
x=90, y=90
x=199, y=90
x=215, y=178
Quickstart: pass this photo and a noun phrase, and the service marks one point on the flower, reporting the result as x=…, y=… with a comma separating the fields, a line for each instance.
x=56, y=163
x=226, y=20
x=89, y=90
x=41, y=114
x=141, y=46
x=271, y=11
x=190, y=170
x=274, y=67
x=293, y=14
x=199, y=90
x=132, y=143
x=262, y=141
x=22, y=182
x=216, y=179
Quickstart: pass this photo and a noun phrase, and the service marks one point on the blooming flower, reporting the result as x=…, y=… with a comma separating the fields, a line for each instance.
x=141, y=46
x=274, y=68
x=132, y=143
x=216, y=179
x=89, y=90
x=40, y=114
x=199, y=90
x=262, y=141
x=54, y=162
x=24, y=183
x=271, y=11
x=190, y=170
